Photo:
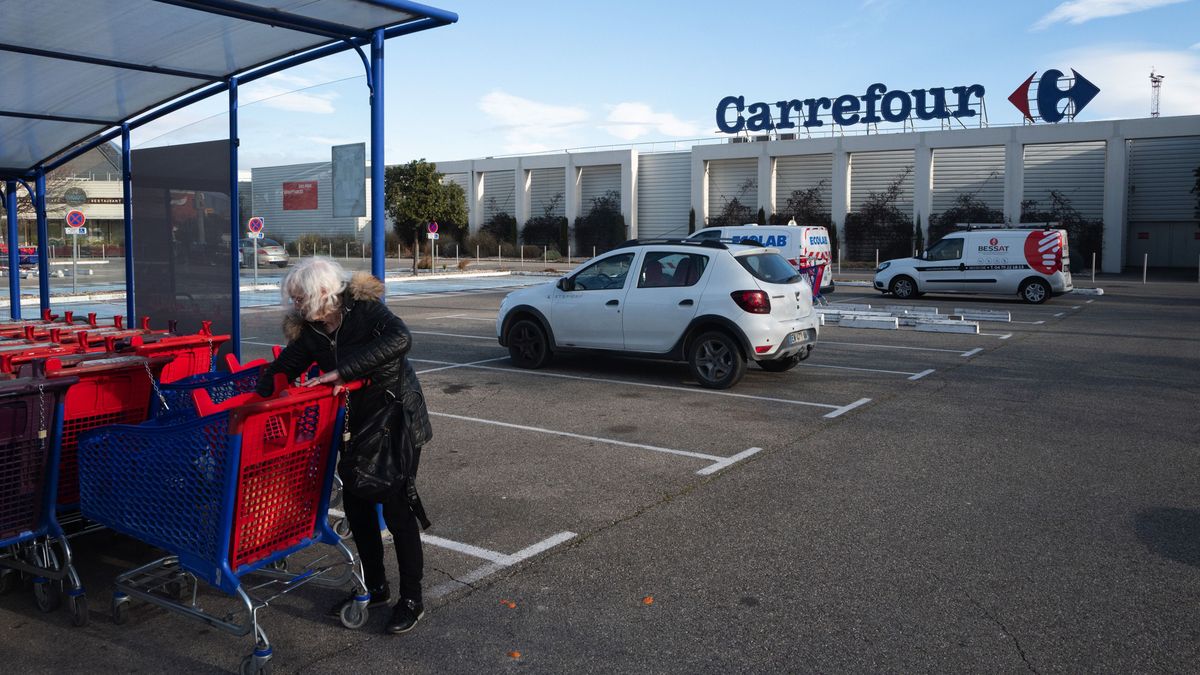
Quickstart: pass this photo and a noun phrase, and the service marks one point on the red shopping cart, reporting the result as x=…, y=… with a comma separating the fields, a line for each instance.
x=31, y=540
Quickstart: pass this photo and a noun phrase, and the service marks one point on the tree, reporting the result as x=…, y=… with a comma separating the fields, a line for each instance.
x=414, y=195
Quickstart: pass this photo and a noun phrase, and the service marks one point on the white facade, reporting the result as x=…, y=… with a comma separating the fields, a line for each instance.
x=1097, y=165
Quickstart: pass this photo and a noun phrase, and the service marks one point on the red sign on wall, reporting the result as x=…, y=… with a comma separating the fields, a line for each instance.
x=1143, y=235
x=300, y=196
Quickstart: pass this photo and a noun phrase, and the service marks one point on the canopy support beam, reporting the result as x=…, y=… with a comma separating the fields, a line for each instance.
x=43, y=232
x=270, y=17
x=79, y=58
x=235, y=251
x=14, y=256
x=378, y=219
x=127, y=193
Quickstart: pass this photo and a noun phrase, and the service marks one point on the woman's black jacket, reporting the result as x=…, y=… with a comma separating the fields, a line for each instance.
x=371, y=343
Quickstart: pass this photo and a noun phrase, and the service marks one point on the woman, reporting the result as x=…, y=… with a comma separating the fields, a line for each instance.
x=344, y=327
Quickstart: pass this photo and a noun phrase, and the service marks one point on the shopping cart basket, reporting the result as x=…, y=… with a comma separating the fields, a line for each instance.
x=193, y=354
x=31, y=541
x=226, y=494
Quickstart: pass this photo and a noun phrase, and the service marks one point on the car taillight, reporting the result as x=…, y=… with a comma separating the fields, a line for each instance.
x=263, y=251
x=755, y=302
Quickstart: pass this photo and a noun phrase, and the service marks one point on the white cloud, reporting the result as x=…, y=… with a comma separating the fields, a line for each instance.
x=1080, y=11
x=1195, y=46
x=1123, y=76
x=286, y=98
x=630, y=121
x=531, y=126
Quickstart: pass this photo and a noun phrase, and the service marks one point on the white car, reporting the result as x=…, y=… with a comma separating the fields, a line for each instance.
x=712, y=304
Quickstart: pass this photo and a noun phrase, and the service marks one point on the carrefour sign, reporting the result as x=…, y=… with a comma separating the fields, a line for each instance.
x=878, y=104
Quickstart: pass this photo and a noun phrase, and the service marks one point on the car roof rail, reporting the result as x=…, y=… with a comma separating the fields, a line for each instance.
x=1010, y=226
x=706, y=243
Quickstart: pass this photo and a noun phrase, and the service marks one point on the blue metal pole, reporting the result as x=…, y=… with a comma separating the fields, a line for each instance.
x=43, y=242
x=234, y=226
x=127, y=187
x=377, y=207
x=14, y=256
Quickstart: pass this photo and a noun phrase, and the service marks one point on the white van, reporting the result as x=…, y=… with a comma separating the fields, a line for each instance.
x=1031, y=263
x=802, y=245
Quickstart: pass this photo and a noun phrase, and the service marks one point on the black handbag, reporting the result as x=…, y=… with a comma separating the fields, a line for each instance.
x=374, y=463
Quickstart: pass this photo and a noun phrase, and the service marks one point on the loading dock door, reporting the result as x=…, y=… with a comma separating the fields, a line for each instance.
x=1168, y=244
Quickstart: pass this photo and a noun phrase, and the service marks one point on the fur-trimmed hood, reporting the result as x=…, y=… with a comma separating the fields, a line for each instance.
x=362, y=287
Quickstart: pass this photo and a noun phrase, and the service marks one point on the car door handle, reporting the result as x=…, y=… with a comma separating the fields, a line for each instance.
x=962, y=267
x=686, y=303
x=611, y=303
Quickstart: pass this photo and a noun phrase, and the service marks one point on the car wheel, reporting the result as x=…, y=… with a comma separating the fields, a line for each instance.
x=527, y=344
x=1035, y=291
x=716, y=360
x=281, y=264
x=903, y=287
x=780, y=365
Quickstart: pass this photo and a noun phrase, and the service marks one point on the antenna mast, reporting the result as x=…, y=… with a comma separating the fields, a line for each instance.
x=1155, y=87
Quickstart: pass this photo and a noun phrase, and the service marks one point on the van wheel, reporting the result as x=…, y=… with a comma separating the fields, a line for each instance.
x=527, y=344
x=716, y=360
x=904, y=288
x=1035, y=291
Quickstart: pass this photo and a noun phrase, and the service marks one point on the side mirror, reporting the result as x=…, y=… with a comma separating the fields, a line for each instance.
x=565, y=284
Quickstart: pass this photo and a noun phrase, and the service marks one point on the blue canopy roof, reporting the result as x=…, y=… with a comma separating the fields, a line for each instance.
x=71, y=71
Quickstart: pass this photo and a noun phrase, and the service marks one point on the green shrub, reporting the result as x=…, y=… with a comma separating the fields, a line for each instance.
x=603, y=227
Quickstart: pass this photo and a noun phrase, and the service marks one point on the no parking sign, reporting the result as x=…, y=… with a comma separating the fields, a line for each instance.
x=255, y=225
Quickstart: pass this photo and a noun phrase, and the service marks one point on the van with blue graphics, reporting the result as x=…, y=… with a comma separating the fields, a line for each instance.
x=802, y=245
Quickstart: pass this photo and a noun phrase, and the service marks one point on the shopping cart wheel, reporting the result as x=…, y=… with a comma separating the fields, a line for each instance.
x=280, y=565
x=341, y=527
x=79, y=609
x=46, y=595
x=354, y=615
x=9, y=580
x=253, y=665
x=120, y=609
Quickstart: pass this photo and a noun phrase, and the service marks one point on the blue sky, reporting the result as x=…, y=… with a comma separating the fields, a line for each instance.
x=538, y=75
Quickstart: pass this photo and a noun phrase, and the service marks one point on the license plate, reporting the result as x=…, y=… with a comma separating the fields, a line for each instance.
x=793, y=338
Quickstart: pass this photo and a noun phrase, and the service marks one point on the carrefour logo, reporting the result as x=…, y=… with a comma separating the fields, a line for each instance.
x=1049, y=96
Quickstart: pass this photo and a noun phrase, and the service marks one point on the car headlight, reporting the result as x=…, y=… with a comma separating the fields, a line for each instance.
x=883, y=266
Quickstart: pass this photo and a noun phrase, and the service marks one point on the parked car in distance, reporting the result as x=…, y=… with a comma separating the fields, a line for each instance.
x=270, y=252
x=1032, y=263
x=714, y=305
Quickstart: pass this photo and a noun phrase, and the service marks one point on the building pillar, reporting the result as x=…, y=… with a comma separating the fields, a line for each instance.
x=475, y=217
x=1014, y=181
x=522, y=179
x=700, y=190
x=629, y=194
x=922, y=187
x=766, y=182
x=839, y=199
x=571, y=194
x=1116, y=197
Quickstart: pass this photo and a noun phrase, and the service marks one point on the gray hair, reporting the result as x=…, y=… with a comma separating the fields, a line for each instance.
x=314, y=286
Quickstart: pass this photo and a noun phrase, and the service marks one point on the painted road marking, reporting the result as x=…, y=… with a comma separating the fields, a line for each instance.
x=456, y=335
x=690, y=390
x=847, y=408
x=915, y=376
x=1002, y=336
x=449, y=365
x=1089, y=302
x=496, y=561
x=718, y=461
x=1059, y=314
x=864, y=344
x=1077, y=306
x=1031, y=323
x=973, y=352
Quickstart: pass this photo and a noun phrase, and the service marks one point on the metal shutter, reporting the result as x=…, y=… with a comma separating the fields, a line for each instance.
x=595, y=181
x=1074, y=169
x=664, y=195
x=875, y=171
x=731, y=179
x=803, y=172
x=498, y=194
x=544, y=186
x=286, y=226
x=1161, y=179
x=978, y=172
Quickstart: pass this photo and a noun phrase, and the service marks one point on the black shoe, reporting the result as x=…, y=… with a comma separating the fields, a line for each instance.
x=379, y=598
x=405, y=615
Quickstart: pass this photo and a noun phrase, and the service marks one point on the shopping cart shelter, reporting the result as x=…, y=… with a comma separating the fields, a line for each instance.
x=127, y=424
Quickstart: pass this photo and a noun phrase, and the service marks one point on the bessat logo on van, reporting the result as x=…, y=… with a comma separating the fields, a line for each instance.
x=993, y=241
x=1043, y=251
x=993, y=246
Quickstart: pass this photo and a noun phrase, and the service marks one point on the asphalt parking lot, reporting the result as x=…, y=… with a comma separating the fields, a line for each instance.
x=1021, y=499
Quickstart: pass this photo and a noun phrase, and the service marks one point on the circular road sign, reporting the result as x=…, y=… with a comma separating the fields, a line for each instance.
x=433, y=227
x=76, y=218
x=255, y=224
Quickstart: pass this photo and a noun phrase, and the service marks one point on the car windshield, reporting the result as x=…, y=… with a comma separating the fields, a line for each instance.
x=769, y=267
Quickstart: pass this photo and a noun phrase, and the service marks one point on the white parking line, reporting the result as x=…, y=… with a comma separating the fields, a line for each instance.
x=460, y=316
x=863, y=344
x=260, y=344
x=1059, y=314
x=451, y=365
x=1089, y=302
x=847, y=408
x=457, y=335
x=971, y=353
x=1031, y=323
x=690, y=390
x=1077, y=306
x=1002, y=336
x=728, y=461
x=870, y=370
x=497, y=561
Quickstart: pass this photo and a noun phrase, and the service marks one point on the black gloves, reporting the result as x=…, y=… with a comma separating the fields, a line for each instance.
x=266, y=384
